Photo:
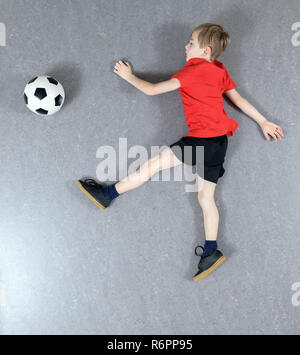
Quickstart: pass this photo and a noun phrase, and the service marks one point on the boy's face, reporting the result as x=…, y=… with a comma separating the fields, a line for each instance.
x=193, y=50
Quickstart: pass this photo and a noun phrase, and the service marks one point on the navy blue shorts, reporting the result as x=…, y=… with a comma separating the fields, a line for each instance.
x=214, y=155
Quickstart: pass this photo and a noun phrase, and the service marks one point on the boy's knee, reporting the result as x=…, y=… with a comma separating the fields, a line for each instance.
x=152, y=165
x=204, y=198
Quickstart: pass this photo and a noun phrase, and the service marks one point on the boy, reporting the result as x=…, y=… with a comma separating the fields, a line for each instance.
x=201, y=84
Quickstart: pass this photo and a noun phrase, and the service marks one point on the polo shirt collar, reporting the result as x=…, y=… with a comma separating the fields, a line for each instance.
x=197, y=60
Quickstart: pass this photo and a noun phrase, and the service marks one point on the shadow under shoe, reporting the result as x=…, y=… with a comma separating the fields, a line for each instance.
x=94, y=191
x=208, y=264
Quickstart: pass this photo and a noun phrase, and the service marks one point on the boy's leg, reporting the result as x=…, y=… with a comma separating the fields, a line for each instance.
x=165, y=160
x=102, y=197
x=211, y=258
x=206, y=190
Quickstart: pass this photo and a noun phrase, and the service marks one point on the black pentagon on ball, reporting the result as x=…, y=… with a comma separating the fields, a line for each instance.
x=34, y=79
x=52, y=81
x=58, y=100
x=26, y=99
x=40, y=93
x=42, y=111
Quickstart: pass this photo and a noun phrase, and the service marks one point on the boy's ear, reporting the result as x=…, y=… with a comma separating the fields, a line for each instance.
x=208, y=50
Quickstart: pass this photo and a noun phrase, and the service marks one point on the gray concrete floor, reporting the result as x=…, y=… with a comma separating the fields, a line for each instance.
x=67, y=267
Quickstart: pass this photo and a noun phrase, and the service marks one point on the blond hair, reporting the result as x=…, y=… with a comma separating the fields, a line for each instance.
x=213, y=36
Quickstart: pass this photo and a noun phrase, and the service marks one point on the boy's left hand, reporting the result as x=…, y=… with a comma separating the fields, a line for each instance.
x=123, y=69
x=272, y=129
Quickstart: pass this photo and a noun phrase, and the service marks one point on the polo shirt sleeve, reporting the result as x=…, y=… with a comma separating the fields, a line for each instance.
x=183, y=76
x=228, y=83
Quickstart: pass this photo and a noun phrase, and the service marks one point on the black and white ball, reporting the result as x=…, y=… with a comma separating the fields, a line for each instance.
x=44, y=95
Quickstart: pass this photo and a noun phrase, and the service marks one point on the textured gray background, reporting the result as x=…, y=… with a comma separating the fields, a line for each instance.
x=69, y=267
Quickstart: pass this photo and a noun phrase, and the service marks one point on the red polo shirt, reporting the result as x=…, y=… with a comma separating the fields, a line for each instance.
x=202, y=86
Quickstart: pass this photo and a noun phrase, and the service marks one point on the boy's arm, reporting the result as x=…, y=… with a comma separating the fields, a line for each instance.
x=153, y=89
x=245, y=106
x=123, y=69
x=268, y=128
x=165, y=86
x=140, y=84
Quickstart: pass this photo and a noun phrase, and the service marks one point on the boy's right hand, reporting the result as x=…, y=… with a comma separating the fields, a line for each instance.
x=123, y=69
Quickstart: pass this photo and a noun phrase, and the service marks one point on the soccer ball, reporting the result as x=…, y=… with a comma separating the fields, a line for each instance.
x=44, y=95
